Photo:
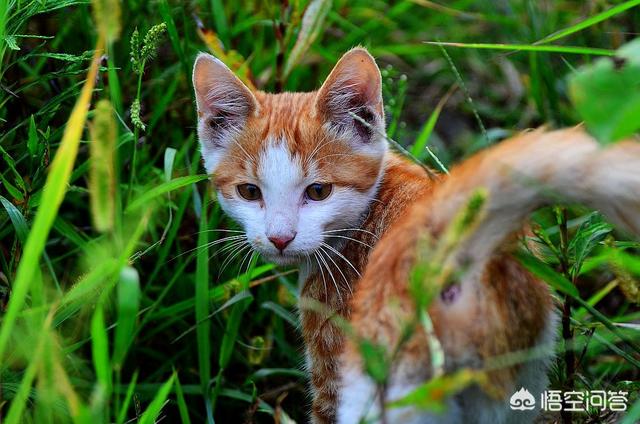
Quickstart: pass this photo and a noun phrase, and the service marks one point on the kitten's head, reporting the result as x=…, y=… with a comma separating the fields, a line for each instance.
x=293, y=168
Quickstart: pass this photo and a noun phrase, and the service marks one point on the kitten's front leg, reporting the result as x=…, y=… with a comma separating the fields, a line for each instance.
x=323, y=409
x=324, y=345
x=324, y=342
x=324, y=384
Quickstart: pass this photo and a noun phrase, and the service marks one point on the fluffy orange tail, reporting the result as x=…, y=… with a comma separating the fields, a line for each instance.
x=538, y=168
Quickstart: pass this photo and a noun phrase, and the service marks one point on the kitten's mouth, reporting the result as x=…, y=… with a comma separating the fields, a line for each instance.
x=283, y=258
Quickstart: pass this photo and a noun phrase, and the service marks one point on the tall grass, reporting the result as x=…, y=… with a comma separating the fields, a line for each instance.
x=117, y=299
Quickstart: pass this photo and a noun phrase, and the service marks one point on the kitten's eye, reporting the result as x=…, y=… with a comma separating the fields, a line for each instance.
x=318, y=191
x=249, y=192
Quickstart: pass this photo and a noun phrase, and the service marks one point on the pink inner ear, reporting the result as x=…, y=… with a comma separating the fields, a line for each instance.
x=355, y=82
x=218, y=90
x=226, y=97
x=351, y=96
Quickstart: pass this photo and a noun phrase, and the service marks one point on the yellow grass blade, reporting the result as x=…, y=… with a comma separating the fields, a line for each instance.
x=52, y=196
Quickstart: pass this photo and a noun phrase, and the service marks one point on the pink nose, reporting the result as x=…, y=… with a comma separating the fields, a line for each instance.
x=280, y=242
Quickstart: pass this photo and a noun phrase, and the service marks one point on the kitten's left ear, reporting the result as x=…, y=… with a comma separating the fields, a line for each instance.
x=224, y=105
x=218, y=89
x=354, y=86
x=224, y=102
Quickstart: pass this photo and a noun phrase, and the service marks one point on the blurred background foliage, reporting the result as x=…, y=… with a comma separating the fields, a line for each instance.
x=125, y=307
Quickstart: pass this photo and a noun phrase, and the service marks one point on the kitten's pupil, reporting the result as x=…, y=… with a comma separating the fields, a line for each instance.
x=249, y=192
x=318, y=191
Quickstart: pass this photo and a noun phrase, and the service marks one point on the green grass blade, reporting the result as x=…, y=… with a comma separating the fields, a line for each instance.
x=115, y=90
x=281, y=312
x=100, y=350
x=231, y=331
x=182, y=404
x=4, y=15
x=169, y=160
x=203, y=328
x=162, y=189
x=17, y=220
x=263, y=373
x=599, y=316
x=220, y=20
x=592, y=20
x=95, y=281
x=618, y=351
x=238, y=297
x=32, y=141
x=128, y=306
x=420, y=145
x=155, y=407
x=466, y=91
x=310, y=27
x=633, y=416
x=560, y=283
x=231, y=335
x=544, y=272
x=122, y=415
x=174, y=36
x=530, y=48
x=19, y=401
x=216, y=294
x=425, y=132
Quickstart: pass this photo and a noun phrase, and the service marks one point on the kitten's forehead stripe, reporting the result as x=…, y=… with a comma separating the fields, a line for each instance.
x=281, y=109
x=278, y=170
x=291, y=118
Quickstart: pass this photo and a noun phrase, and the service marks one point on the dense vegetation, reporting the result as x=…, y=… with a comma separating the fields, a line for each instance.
x=118, y=304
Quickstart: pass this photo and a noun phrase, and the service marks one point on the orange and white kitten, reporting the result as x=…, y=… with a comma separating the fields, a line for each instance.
x=310, y=185
x=313, y=185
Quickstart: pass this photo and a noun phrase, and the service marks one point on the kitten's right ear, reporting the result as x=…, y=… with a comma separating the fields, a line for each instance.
x=223, y=101
x=354, y=87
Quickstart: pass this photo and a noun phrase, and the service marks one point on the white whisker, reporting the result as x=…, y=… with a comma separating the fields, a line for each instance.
x=251, y=259
x=352, y=229
x=228, y=238
x=323, y=142
x=308, y=259
x=324, y=282
x=342, y=256
x=335, y=284
x=349, y=238
x=230, y=246
x=209, y=245
x=244, y=258
x=230, y=257
x=249, y=158
x=340, y=271
x=222, y=230
x=336, y=154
